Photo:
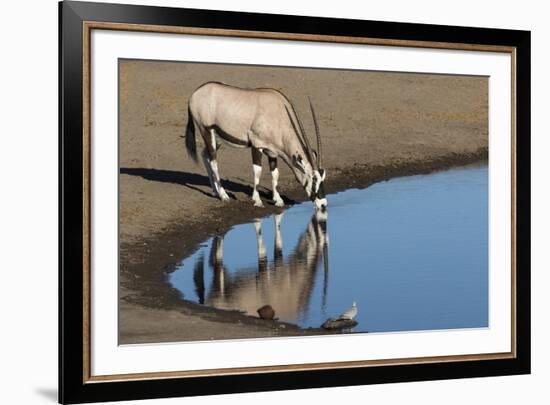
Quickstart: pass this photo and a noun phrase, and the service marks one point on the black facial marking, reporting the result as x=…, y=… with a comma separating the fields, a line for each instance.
x=298, y=162
x=313, y=193
x=321, y=191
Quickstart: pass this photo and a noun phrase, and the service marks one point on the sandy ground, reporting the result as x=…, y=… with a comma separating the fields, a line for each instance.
x=374, y=126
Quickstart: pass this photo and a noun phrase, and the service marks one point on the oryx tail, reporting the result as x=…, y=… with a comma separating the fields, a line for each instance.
x=190, y=141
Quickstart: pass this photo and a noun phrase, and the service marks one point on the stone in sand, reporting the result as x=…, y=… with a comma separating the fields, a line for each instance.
x=266, y=312
x=332, y=324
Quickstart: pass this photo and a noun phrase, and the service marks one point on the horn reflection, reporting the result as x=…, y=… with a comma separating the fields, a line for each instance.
x=286, y=283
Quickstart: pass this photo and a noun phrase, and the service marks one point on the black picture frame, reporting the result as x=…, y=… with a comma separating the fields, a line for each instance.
x=73, y=387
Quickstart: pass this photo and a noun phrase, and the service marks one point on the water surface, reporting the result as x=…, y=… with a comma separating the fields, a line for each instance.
x=412, y=252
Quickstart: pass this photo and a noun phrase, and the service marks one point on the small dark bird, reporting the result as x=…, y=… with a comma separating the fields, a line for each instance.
x=266, y=312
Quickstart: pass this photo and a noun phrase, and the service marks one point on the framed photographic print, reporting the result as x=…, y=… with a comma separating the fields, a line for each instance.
x=256, y=202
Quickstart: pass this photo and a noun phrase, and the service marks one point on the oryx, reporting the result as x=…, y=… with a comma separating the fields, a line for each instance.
x=263, y=120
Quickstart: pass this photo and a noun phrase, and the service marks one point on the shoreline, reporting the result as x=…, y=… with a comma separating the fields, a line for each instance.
x=146, y=261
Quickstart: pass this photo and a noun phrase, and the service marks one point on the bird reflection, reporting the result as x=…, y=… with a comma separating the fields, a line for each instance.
x=286, y=283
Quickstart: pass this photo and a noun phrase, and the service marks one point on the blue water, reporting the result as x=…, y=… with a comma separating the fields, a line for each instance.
x=412, y=252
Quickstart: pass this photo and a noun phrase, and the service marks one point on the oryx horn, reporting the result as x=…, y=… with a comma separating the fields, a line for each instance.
x=317, y=134
x=301, y=133
x=325, y=258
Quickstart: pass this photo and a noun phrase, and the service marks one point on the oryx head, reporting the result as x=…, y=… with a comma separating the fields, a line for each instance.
x=308, y=169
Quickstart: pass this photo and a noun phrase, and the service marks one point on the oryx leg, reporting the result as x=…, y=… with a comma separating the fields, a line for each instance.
x=262, y=256
x=211, y=164
x=198, y=278
x=216, y=261
x=278, y=253
x=257, y=169
x=206, y=161
x=274, y=181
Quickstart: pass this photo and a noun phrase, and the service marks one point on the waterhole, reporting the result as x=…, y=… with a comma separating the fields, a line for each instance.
x=411, y=252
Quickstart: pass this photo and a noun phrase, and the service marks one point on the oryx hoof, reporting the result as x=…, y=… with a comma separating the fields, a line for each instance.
x=258, y=203
x=279, y=203
x=223, y=196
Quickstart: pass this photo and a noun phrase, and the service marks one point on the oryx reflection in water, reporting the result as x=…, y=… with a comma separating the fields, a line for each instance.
x=286, y=282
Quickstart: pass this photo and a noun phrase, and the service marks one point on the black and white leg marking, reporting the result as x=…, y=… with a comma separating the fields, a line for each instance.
x=212, y=165
x=206, y=161
x=278, y=252
x=257, y=169
x=274, y=181
x=262, y=256
x=216, y=260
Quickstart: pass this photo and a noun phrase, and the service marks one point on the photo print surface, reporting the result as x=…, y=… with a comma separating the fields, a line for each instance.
x=264, y=201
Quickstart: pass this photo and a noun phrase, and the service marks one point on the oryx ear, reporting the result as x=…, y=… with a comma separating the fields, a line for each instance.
x=299, y=163
x=323, y=174
x=314, y=153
